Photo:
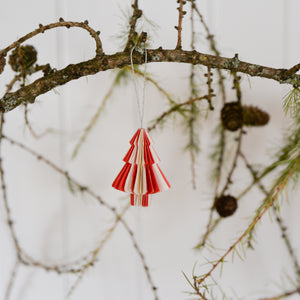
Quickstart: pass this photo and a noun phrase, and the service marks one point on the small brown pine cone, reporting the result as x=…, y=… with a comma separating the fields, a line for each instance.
x=2, y=63
x=232, y=116
x=226, y=205
x=254, y=116
x=22, y=57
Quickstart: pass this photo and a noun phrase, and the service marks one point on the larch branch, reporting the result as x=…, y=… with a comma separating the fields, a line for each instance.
x=121, y=59
x=137, y=13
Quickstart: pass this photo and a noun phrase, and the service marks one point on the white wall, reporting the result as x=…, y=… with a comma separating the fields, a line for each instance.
x=55, y=226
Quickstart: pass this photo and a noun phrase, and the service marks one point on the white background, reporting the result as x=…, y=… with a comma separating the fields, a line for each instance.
x=55, y=226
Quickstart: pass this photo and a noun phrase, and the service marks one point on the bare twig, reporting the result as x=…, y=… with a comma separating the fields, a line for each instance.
x=234, y=164
x=212, y=43
x=61, y=23
x=209, y=88
x=173, y=109
x=217, y=221
x=284, y=295
x=12, y=280
x=95, y=252
x=8, y=216
x=93, y=195
x=155, y=83
x=95, y=117
x=137, y=13
x=287, y=73
x=29, y=126
x=193, y=111
x=10, y=222
x=208, y=227
x=213, y=47
x=93, y=121
x=197, y=290
x=236, y=85
x=288, y=243
x=12, y=83
x=279, y=220
x=181, y=13
x=24, y=258
x=267, y=203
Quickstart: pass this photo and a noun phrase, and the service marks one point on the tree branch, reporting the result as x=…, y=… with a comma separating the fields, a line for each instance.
x=121, y=59
x=284, y=295
x=25, y=259
x=174, y=108
x=291, y=71
x=267, y=203
x=137, y=13
x=181, y=13
x=61, y=23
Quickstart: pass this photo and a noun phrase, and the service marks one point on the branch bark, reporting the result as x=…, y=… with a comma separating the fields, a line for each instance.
x=137, y=13
x=62, y=23
x=122, y=59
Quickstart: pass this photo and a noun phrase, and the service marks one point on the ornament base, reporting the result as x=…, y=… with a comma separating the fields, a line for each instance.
x=139, y=200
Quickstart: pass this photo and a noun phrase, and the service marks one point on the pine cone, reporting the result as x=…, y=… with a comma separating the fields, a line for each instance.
x=226, y=205
x=232, y=116
x=22, y=57
x=2, y=63
x=253, y=116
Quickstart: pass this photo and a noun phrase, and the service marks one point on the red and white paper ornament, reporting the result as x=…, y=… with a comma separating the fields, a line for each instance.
x=141, y=175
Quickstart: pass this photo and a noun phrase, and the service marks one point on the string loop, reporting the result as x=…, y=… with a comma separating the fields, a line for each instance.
x=140, y=102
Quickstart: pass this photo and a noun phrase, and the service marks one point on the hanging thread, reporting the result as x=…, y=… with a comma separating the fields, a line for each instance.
x=141, y=175
x=140, y=103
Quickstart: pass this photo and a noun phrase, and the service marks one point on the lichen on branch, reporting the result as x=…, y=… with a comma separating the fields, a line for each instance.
x=122, y=59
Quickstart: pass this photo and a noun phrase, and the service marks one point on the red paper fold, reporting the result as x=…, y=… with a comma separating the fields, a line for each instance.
x=141, y=175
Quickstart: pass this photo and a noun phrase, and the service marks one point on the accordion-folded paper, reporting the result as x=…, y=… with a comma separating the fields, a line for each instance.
x=141, y=175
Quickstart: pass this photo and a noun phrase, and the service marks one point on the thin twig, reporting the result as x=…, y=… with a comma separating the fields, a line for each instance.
x=212, y=43
x=10, y=222
x=137, y=13
x=8, y=215
x=217, y=221
x=61, y=23
x=284, y=295
x=197, y=290
x=95, y=253
x=95, y=117
x=12, y=83
x=174, y=108
x=236, y=85
x=234, y=163
x=93, y=120
x=213, y=47
x=267, y=203
x=158, y=87
x=29, y=126
x=279, y=220
x=96, y=197
x=22, y=256
x=181, y=13
x=288, y=243
x=293, y=70
x=209, y=88
x=12, y=280
x=221, y=159
x=193, y=111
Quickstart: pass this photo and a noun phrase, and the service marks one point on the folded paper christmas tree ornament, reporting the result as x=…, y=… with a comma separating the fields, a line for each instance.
x=141, y=174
